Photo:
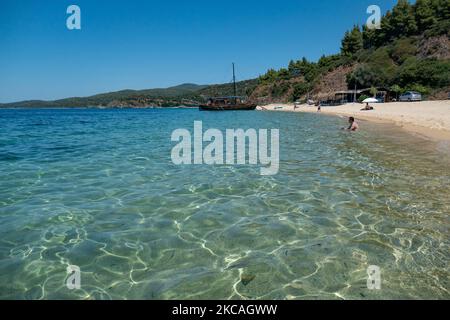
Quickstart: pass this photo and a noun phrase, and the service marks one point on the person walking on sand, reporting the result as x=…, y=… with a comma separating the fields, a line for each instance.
x=353, y=124
x=319, y=107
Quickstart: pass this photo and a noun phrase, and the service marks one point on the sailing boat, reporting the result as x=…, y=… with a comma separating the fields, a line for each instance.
x=232, y=103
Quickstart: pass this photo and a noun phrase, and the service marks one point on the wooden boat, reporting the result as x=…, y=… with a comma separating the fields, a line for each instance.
x=232, y=103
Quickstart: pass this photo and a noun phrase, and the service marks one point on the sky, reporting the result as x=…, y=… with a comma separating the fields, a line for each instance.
x=137, y=44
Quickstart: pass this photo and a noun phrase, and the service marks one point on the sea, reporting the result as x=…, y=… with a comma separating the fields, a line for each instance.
x=97, y=190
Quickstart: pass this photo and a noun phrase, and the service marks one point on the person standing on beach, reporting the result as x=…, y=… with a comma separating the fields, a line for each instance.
x=353, y=124
x=319, y=107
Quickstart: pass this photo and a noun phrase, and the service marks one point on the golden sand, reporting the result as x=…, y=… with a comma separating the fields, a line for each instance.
x=426, y=118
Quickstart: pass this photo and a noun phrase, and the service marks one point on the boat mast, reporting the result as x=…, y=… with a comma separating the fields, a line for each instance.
x=234, y=83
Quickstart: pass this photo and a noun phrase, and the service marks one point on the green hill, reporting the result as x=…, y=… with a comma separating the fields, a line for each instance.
x=149, y=97
x=411, y=51
x=244, y=88
x=186, y=94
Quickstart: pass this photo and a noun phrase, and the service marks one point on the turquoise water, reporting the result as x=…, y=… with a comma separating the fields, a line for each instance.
x=97, y=189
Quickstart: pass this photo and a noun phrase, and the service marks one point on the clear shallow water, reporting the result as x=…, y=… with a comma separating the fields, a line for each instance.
x=97, y=189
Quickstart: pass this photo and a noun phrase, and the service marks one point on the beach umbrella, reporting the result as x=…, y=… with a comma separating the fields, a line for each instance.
x=370, y=100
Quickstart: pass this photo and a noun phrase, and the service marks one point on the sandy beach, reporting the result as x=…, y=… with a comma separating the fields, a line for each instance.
x=430, y=119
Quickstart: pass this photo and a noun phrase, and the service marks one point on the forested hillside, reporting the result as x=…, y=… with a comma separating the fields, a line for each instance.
x=411, y=51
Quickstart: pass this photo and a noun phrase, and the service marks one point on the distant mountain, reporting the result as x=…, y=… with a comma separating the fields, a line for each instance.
x=187, y=94
x=177, y=91
x=148, y=97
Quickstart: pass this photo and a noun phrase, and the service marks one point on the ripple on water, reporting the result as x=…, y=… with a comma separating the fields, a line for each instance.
x=97, y=189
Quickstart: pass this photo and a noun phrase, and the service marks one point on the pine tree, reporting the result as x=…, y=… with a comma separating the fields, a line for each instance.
x=403, y=21
x=352, y=42
x=384, y=34
x=442, y=12
x=368, y=37
x=441, y=9
x=425, y=15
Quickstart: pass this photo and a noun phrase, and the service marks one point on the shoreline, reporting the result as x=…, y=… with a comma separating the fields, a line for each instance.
x=427, y=119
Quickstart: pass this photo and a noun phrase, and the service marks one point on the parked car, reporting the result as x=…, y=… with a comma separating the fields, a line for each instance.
x=411, y=96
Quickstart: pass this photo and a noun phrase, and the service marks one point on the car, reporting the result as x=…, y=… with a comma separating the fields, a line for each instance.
x=411, y=96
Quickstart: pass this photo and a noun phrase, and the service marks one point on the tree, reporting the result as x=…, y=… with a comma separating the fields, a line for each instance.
x=270, y=76
x=329, y=63
x=363, y=77
x=300, y=89
x=419, y=88
x=284, y=74
x=293, y=70
x=403, y=21
x=384, y=34
x=279, y=89
x=306, y=69
x=427, y=72
x=352, y=42
x=396, y=89
x=368, y=36
x=373, y=91
x=425, y=15
x=402, y=49
x=441, y=10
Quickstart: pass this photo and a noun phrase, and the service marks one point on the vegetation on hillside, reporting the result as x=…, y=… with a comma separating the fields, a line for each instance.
x=185, y=94
x=390, y=57
x=243, y=88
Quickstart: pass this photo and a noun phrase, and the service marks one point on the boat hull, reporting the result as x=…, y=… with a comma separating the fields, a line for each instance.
x=238, y=107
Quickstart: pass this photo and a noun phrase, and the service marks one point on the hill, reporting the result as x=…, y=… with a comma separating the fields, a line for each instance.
x=187, y=94
x=125, y=98
x=411, y=51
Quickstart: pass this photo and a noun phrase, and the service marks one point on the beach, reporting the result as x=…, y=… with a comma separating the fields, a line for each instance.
x=430, y=119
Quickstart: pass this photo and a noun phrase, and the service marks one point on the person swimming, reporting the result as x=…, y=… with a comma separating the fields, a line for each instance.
x=353, y=124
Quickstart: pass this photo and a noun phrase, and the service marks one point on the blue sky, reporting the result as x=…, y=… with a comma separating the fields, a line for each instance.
x=139, y=44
